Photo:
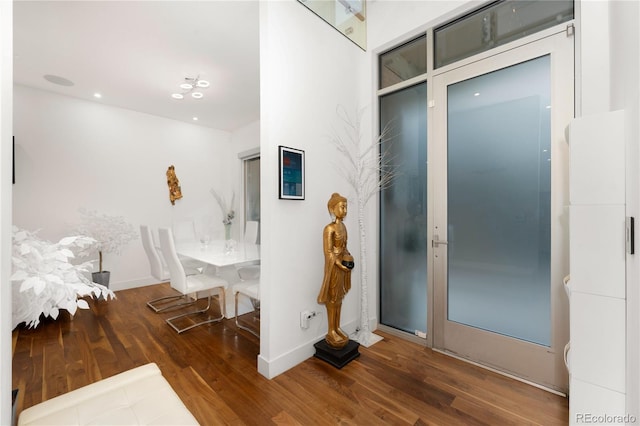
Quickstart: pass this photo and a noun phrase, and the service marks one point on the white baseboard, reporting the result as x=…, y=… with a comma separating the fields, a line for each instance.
x=280, y=364
x=125, y=285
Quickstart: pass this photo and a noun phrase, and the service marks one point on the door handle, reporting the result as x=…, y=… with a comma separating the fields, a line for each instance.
x=437, y=241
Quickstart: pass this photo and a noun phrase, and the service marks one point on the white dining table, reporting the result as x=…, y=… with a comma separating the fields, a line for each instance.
x=225, y=261
x=215, y=254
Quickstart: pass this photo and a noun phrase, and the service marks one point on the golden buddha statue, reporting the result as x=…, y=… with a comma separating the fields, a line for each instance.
x=338, y=264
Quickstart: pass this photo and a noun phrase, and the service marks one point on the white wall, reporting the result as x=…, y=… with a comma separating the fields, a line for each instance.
x=246, y=138
x=307, y=68
x=6, y=120
x=72, y=153
x=624, y=48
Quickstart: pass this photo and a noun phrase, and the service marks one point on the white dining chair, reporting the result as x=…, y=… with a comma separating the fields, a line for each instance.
x=190, y=284
x=250, y=289
x=158, y=268
x=184, y=231
x=251, y=271
x=160, y=271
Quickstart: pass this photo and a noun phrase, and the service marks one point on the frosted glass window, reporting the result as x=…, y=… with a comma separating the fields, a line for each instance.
x=499, y=192
x=403, y=212
x=495, y=25
x=403, y=63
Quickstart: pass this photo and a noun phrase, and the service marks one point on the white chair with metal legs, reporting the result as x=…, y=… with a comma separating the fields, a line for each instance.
x=250, y=289
x=185, y=231
x=190, y=284
x=191, y=266
x=160, y=271
x=252, y=271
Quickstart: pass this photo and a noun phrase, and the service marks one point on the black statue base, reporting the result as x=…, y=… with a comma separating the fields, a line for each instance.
x=337, y=357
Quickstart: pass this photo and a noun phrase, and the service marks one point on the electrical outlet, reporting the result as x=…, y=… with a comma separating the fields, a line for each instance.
x=305, y=316
x=304, y=319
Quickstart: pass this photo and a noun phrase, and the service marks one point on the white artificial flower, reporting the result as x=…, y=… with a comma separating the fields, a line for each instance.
x=45, y=281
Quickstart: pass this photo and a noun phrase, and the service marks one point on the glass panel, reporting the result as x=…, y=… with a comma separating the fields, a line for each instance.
x=403, y=212
x=499, y=192
x=252, y=190
x=495, y=25
x=403, y=63
x=346, y=16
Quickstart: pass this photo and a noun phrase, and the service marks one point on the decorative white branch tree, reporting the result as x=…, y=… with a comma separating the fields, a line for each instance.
x=110, y=232
x=45, y=281
x=368, y=169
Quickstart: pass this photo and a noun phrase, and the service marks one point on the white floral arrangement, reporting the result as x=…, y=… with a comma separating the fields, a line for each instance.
x=110, y=232
x=45, y=280
x=227, y=211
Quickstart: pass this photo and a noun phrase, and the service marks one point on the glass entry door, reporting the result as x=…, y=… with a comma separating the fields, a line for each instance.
x=500, y=237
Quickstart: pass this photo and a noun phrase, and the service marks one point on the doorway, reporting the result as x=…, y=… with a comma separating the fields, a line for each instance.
x=500, y=228
x=496, y=242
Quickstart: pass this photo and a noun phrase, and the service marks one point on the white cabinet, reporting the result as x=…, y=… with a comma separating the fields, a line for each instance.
x=588, y=399
x=597, y=249
x=599, y=331
x=597, y=262
x=597, y=159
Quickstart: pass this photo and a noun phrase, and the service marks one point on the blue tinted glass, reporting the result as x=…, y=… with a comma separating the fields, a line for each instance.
x=403, y=212
x=499, y=192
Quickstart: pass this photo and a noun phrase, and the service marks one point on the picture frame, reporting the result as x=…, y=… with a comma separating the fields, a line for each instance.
x=291, y=173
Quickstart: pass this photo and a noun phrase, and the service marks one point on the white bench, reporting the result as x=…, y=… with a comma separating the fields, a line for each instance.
x=140, y=396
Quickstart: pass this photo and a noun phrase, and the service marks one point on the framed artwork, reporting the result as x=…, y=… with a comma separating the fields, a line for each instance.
x=291, y=179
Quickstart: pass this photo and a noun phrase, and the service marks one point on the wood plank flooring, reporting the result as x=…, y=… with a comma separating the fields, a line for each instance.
x=213, y=370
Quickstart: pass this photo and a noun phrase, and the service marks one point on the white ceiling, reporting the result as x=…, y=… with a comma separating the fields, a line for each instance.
x=136, y=53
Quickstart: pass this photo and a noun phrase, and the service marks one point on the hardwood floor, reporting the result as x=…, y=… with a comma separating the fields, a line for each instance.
x=213, y=370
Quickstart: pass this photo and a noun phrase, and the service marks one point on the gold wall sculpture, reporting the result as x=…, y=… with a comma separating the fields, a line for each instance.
x=338, y=264
x=175, y=193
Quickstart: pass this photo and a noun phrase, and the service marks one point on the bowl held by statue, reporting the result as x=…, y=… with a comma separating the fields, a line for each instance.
x=347, y=261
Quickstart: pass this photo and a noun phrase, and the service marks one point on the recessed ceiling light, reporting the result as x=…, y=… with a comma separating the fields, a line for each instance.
x=195, y=118
x=197, y=95
x=55, y=79
x=177, y=96
x=97, y=95
x=476, y=94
